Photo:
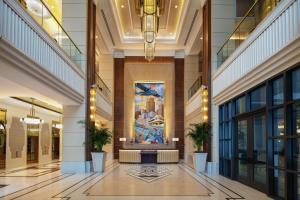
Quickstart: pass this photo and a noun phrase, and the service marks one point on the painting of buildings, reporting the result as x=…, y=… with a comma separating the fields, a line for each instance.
x=149, y=113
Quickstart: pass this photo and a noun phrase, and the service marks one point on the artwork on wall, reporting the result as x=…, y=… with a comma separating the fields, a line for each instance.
x=149, y=124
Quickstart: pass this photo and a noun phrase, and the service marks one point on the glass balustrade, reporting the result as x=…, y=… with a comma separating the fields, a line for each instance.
x=41, y=13
x=195, y=87
x=103, y=88
x=253, y=17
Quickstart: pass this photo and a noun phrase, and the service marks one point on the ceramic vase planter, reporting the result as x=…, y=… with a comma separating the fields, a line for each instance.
x=200, y=161
x=98, y=161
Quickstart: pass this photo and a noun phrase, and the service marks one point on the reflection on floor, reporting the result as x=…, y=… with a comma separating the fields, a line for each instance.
x=122, y=182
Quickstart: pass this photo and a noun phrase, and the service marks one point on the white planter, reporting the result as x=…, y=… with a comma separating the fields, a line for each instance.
x=98, y=161
x=200, y=161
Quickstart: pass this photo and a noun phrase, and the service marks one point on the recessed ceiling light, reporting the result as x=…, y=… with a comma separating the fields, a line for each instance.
x=176, y=6
x=122, y=6
x=96, y=36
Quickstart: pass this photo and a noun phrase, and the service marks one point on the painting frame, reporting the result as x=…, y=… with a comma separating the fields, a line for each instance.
x=162, y=132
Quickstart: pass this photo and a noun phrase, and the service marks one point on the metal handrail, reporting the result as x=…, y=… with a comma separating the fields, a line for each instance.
x=238, y=26
x=103, y=87
x=61, y=31
x=195, y=87
x=62, y=28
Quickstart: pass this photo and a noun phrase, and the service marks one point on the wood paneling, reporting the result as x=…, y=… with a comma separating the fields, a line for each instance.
x=118, y=104
x=90, y=70
x=141, y=59
x=206, y=70
x=179, y=105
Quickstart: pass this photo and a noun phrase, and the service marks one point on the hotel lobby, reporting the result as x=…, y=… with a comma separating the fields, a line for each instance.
x=150, y=99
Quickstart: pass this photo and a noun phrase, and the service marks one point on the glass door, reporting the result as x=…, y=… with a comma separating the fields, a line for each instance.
x=251, y=151
x=242, y=150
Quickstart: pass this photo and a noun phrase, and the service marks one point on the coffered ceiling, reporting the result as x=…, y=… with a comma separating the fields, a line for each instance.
x=119, y=27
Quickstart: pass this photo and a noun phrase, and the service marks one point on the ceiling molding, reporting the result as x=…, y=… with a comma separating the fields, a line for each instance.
x=115, y=37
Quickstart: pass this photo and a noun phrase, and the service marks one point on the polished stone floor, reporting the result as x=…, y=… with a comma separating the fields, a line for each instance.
x=121, y=182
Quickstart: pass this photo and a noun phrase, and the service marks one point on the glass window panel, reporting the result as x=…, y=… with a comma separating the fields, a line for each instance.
x=296, y=119
x=259, y=149
x=279, y=179
x=242, y=139
x=279, y=153
x=278, y=91
x=221, y=132
x=278, y=122
x=243, y=168
x=296, y=154
x=296, y=84
x=258, y=98
x=241, y=105
x=226, y=130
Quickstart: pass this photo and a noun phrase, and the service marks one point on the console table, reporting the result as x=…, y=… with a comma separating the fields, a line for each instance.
x=148, y=156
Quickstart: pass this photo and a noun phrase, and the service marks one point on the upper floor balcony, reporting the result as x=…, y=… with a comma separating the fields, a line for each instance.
x=260, y=46
x=259, y=10
x=30, y=32
x=103, y=99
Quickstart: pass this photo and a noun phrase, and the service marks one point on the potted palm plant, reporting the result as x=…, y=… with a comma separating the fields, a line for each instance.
x=199, y=133
x=98, y=137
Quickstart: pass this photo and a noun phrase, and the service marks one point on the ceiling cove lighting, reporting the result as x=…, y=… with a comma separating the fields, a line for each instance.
x=149, y=12
x=31, y=118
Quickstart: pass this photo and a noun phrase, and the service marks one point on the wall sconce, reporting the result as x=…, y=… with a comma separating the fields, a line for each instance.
x=175, y=139
x=122, y=139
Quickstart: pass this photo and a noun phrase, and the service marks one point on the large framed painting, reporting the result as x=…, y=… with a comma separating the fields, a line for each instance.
x=149, y=124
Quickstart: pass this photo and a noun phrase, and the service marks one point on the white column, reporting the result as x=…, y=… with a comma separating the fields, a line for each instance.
x=73, y=139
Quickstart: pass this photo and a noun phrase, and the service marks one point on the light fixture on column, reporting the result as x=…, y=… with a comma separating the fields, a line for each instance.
x=205, y=103
x=149, y=11
x=31, y=118
x=93, y=103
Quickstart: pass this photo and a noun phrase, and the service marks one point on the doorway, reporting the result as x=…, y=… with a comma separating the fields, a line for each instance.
x=2, y=138
x=33, y=131
x=251, y=148
x=32, y=149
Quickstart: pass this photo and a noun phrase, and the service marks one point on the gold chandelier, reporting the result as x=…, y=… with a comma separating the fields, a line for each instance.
x=149, y=11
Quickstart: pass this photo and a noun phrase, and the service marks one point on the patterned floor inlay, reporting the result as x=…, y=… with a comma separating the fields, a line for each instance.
x=34, y=171
x=149, y=173
x=159, y=180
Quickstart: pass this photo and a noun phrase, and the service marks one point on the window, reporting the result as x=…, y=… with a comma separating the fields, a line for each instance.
x=258, y=98
x=278, y=91
x=296, y=84
x=278, y=122
x=241, y=105
x=296, y=119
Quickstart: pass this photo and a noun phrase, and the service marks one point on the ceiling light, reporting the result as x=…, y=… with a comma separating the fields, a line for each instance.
x=37, y=8
x=122, y=6
x=58, y=126
x=176, y=6
x=31, y=118
x=149, y=17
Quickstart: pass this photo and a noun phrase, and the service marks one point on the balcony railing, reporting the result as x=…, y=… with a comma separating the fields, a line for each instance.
x=195, y=87
x=102, y=87
x=259, y=10
x=40, y=12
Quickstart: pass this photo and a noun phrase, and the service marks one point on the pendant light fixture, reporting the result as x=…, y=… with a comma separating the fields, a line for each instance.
x=149, y=11
x=31, y=118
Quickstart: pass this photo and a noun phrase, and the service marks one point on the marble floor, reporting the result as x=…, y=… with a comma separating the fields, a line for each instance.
x=121, y=182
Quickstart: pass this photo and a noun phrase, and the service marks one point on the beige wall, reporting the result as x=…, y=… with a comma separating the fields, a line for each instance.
x=148, y=72
x=16, y=109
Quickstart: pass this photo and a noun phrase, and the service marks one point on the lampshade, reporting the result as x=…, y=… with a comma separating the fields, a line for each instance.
x=31, y=120
x=123, y=139
x=175, y=139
